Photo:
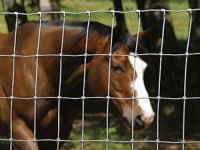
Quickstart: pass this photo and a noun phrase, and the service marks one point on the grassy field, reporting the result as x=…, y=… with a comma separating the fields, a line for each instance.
x=95, y=130
x=180, y=20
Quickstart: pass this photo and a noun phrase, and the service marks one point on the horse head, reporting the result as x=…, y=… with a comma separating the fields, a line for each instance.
x=125, y=86
x=119, y=77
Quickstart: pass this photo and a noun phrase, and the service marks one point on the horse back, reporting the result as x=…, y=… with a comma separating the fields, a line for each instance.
x=3, y=38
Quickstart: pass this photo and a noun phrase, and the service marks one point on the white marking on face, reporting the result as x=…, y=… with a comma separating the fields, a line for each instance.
x=141, y=93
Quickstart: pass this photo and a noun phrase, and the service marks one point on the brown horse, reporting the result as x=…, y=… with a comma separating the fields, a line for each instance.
x=37, y=78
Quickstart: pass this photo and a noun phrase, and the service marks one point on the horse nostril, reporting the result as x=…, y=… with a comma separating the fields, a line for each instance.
x=138, y=123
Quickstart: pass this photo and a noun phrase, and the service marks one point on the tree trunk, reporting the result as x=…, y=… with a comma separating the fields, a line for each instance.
x=152, y=23
x=120, y=18
x=13, y=6
x=49, y=6
x=195, y=31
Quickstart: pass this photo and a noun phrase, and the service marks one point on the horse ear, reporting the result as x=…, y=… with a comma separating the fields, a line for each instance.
x=76, y=77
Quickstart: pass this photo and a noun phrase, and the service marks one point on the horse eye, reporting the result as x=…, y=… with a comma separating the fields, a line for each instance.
x=118, y=68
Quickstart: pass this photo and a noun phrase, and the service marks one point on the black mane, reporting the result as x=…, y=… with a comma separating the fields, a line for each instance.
x=104, y=30
x=101, y=30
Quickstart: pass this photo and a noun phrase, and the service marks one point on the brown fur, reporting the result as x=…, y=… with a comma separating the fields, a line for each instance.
x=48, y=80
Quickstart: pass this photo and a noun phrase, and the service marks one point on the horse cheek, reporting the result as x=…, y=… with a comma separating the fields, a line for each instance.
x=98, y=81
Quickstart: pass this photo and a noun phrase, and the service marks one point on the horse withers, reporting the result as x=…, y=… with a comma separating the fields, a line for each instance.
x=35, y=76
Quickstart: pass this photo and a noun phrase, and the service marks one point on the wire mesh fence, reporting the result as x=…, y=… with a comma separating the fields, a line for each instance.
x=106, y=141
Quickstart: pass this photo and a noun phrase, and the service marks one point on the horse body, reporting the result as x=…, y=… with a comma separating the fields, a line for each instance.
x=24, y=89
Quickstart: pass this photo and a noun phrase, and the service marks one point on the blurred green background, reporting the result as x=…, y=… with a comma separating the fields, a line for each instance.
x=180, y=20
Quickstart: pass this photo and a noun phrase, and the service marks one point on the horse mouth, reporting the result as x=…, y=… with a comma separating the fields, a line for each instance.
x=138, y=124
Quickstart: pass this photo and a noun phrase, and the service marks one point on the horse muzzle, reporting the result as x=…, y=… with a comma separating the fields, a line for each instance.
x=140, y=122
x=143, y=122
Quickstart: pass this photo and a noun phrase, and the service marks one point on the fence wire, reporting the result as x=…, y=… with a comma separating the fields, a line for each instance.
x=106, y=140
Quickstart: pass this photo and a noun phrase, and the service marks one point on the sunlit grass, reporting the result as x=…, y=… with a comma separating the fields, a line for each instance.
x=96, y=130
x=3, y=27
x=180, y=20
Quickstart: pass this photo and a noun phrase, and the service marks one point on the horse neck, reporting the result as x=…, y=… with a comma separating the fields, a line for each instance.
x=73, y=41
x=93, y=44
x=2, y=39
x=2, y=36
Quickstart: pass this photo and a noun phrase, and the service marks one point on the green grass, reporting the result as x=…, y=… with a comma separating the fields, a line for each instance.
x=95, y=129
x=3, y=27
x=180, y=20
x=106, y=18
